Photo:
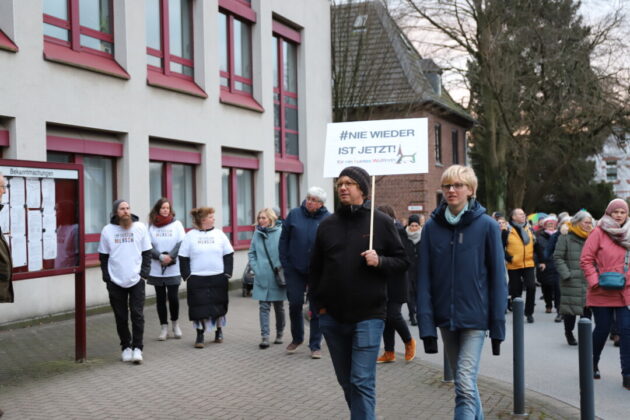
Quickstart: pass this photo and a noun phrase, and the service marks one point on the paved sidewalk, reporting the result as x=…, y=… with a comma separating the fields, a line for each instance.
x=233, y=380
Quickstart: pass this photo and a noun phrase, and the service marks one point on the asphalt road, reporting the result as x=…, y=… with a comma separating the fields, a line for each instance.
x=551, y=365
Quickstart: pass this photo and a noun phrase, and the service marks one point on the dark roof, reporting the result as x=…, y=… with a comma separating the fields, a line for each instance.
x=376, y=64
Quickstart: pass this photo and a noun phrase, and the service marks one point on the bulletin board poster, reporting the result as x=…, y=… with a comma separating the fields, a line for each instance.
x=42, y=217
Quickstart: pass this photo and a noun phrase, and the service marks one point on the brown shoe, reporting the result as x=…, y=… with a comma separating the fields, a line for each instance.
x=387, y=357
x=316, y=354
x=410, y=350
x=292, y=347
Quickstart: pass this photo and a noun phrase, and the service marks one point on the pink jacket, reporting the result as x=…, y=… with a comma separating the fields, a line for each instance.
x=600, y=254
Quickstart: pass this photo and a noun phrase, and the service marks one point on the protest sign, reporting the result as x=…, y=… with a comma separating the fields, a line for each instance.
x=381, y=147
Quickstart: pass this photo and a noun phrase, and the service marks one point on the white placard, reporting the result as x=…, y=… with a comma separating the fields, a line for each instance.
x=35, y=262
x=33, y=193
x=18, y=220
x=48, y=194
x=16, y=184
x=4, y=213
x=49, y=221
x=381, y=147
x=18, y=250
x=50, y=245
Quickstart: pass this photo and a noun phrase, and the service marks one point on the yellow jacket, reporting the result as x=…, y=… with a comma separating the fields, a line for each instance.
x=522, y=255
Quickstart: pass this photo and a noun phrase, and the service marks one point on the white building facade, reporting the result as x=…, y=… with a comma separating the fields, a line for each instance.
x=613, y=165
x=220, y=103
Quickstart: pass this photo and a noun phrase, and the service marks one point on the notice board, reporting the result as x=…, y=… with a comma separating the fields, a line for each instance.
x=42, y=217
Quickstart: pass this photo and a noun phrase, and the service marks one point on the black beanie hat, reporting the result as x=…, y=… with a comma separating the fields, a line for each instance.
x=360, y=176
x=414, y=218
x=115, y=206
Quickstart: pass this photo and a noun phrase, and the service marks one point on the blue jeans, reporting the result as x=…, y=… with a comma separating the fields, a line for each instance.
x=264, y=307
x=296, y=286
x=463, y=349
x=353, y=350
x=603, y=320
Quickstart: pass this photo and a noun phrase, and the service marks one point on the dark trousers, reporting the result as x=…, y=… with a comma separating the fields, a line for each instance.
x=569, y=320
x=412, y=298
x=127, y=301
x=173, y=302
x=523, y=278
x=296, y=287
x=394, y=324
x=551, y=293
x=604, y=317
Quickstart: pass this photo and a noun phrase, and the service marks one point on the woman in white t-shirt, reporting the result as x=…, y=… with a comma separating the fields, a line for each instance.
x=166, y=235
x=206, y=259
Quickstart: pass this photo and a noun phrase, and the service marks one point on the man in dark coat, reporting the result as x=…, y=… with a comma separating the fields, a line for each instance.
x=296, y=242
x=348, y=283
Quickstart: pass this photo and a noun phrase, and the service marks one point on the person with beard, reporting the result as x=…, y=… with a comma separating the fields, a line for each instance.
x=461, y=284
x=413, y=230
x=546, y=271
x=296, y=243
x=125, y=255
x=348, y=283
x=166, y=237
x=518, y=241
x=206, y=261
x=606, y=250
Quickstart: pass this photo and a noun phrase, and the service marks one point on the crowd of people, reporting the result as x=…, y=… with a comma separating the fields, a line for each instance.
x=358, y=266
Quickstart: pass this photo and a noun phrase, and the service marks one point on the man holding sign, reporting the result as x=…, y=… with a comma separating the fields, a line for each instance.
x=349, y=290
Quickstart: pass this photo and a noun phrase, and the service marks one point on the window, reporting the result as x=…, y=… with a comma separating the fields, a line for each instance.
x=438, y=198
x=235, y=19
x=360, y=23
x=172, y=175
x=99, y=182
x=611, y=170
x=285, y=97
x=238, y=199
x=438, y=144
x=455, y=146
x=287, y=192
x=81, y=32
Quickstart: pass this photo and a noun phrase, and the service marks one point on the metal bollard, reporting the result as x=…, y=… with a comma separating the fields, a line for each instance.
x=585, y=349
x=518, y=326
x=448, y=372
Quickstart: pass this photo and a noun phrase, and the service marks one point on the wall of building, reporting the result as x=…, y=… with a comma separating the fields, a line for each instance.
x=616, y=157
x=37, y=96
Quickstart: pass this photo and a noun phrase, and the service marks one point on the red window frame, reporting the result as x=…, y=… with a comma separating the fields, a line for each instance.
x=241, y=11
x=233, y=163
x=77, y=149
x=169, y=157
x=164, y=77
x=6, y=43
x=72, y=52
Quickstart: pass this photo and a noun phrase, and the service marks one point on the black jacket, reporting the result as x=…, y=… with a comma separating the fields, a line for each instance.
x=340, y=280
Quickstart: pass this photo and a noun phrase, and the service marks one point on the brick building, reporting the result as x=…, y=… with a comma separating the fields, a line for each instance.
x=378, y=74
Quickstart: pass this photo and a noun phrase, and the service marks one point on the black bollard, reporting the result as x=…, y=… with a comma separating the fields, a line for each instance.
x=518, y=329
x=448, y=372
x=585, y=349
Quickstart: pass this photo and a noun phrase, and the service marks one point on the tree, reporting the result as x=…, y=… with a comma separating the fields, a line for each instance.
x=542, y=105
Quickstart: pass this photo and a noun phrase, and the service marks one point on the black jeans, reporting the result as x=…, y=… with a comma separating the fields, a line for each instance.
x=569, y=320
x=551, y=293
x=523, y=278
x=412, y=298
x=127, y=301
x=173, y=302
x=394, y=323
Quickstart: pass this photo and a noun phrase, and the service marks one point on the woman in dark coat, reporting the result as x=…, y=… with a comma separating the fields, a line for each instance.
x=413, y=230
x=546, y=272
x=397, y=293
x=572, y=282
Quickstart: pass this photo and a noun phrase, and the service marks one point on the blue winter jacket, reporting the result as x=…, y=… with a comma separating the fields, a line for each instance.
x=298, y=235
x=265, y=286
x=461, y=274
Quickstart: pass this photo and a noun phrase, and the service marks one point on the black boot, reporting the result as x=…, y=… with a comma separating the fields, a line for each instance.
x=596, y=374
x=199, y=340
x=218, y=336
x=413, y=320
x=570, y=338
x=626, y=381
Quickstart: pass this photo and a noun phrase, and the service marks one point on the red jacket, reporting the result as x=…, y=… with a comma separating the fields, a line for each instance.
x=599, y=255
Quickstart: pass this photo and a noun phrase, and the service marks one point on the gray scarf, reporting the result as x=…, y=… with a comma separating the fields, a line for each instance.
x=619, y=234
x=414, y=236
x=522, y=231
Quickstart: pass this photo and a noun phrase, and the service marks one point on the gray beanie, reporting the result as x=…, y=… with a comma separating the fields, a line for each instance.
x=115, y=206
x=360, y=176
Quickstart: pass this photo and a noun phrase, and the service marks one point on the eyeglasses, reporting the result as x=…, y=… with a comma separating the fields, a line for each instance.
x=346, y=184
x=457, y=186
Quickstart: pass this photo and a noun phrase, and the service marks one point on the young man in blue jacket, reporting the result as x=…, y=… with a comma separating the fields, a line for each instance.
x=461, y=284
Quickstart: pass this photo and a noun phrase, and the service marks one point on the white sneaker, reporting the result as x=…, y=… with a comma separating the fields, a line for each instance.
x=163, y=333
x=137, y=356
x=177, y=332
x=126, y=355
